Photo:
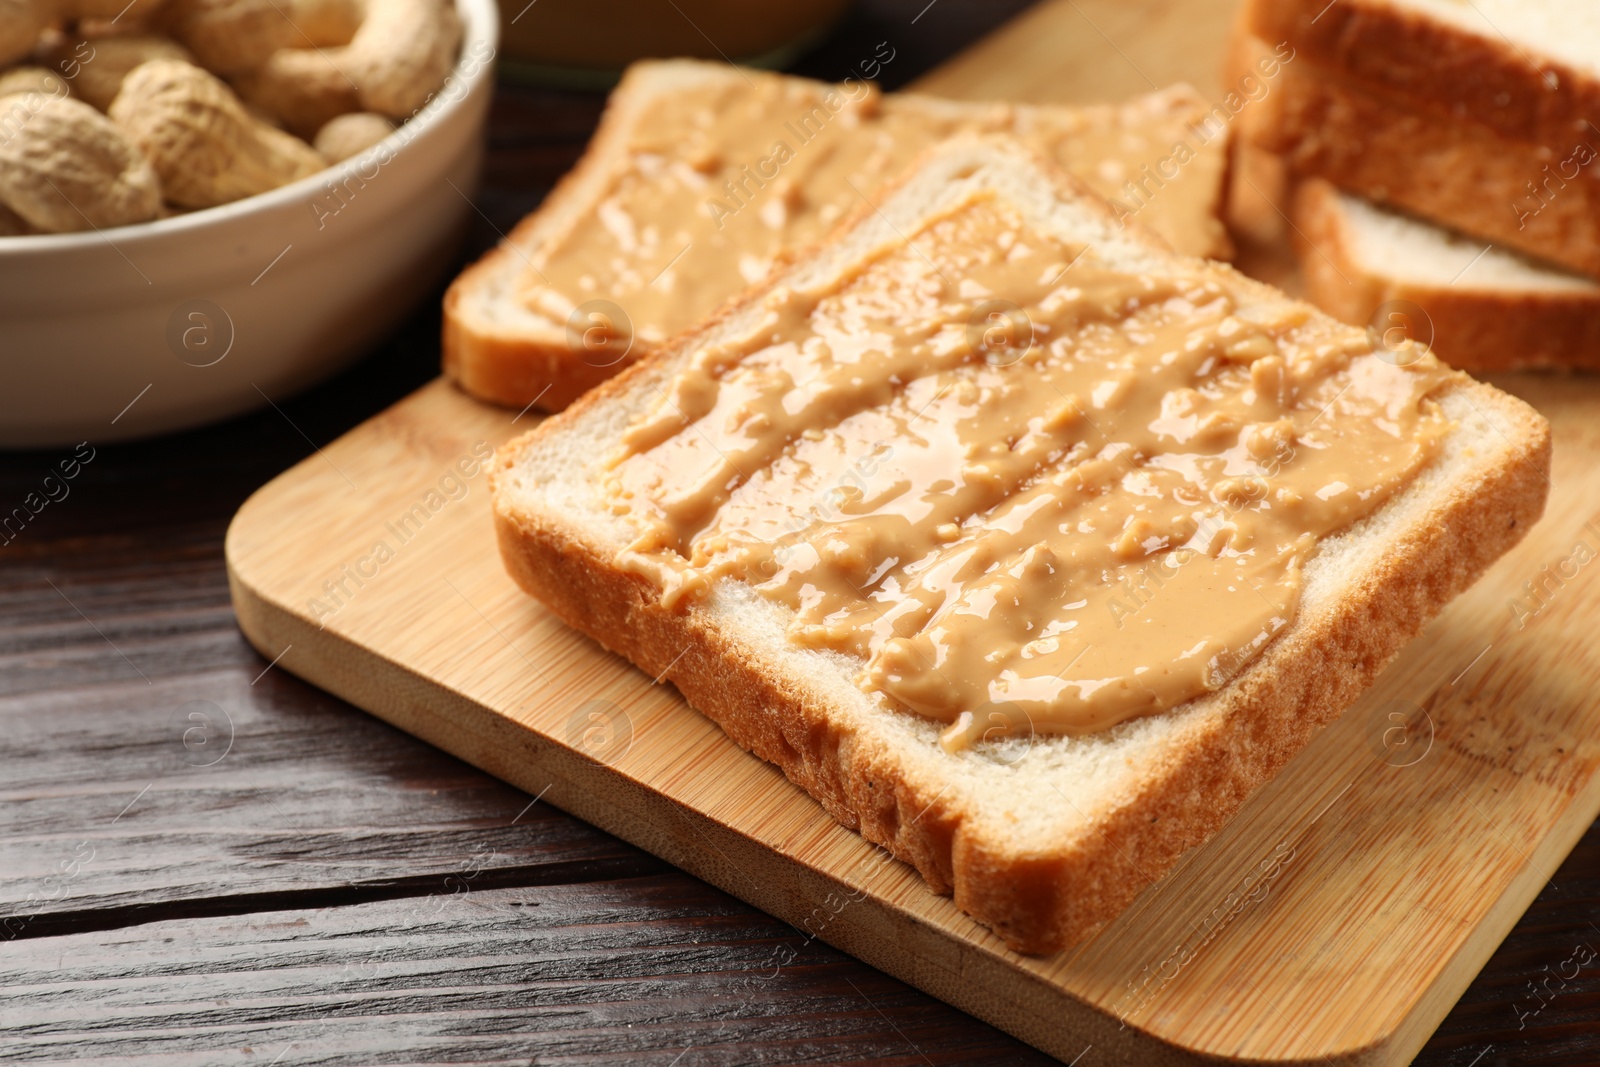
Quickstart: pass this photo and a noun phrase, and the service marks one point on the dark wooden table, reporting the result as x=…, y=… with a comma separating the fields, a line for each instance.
x=204, y=860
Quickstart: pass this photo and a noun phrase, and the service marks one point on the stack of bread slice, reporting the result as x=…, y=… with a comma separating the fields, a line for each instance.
x=1479, y=305
x=1460, y=140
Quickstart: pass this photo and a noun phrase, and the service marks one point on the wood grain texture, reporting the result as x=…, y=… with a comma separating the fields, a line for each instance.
x=1083, y=51
x=139, y=543
x=1534, y=1003
x=1366, y=867
x=226, y=786
x=652, y=971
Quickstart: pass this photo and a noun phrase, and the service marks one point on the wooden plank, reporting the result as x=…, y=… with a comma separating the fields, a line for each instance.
x=1357, y=871
x=644, y=967
x=175, y=774
x=678, y=956
x=654, y=971
x=1085, y=51
x=1537, y=999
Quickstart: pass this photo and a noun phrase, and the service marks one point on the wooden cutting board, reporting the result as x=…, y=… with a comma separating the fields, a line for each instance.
x=1338, y=917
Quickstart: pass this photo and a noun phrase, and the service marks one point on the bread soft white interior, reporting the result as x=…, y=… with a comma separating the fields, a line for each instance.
x=1568, y=30
x=1393, y=245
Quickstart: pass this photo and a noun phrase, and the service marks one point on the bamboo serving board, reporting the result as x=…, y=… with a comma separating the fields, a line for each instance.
x=1336, y=919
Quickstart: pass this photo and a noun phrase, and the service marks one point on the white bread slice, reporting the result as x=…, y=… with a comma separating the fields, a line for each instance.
x=1474, y=116
x=1527, y=69
x=500, y=350
x=1487, y=309
x=1045, y=847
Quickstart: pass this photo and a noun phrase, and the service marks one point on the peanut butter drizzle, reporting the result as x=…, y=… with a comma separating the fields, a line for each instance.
x=1059, y=520
x=719, y=181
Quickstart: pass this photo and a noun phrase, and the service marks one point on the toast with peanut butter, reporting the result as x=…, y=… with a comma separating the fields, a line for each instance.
x=1026, y=546
x=702, y=176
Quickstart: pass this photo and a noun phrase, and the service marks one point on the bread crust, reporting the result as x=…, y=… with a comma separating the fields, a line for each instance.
x=1512, y=89
x=1038, y=901
x=1481, y=330
x=1432, y=164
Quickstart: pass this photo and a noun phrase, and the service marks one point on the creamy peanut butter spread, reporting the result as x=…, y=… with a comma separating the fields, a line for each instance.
x=1019, y=486
x=718, y=180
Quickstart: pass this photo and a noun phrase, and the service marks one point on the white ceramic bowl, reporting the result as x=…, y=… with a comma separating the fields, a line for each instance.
x=143, y=329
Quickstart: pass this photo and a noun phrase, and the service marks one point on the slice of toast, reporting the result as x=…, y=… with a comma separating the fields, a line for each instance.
x=1046, y=838
x=510, y=338
x=1427, y=107
x=1482, y=308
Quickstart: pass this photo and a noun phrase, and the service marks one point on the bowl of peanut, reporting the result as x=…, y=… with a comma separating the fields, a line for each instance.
x=206, y=205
